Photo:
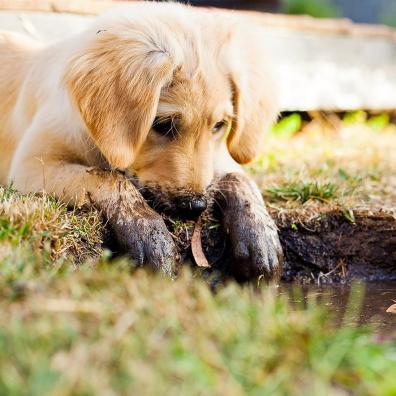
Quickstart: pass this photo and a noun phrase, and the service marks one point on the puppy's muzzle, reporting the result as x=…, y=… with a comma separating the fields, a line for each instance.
x=181, y=203
x=190, y=207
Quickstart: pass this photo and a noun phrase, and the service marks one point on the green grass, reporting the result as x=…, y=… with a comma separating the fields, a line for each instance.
x=347, y=162
x=287, y=126
x=104, y=328
x=304, y=191
x=315, y=8
x=388, y=14
x=42, y=225
x=74, y=322
x=377, y=122
x=110, y=330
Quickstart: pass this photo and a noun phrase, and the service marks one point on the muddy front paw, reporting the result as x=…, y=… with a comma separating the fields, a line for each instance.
x=141, y=233
x=253, y=235
x=255, y=245
x=146, y=240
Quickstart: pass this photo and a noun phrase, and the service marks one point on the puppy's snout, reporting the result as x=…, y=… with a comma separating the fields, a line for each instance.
x=191, y=207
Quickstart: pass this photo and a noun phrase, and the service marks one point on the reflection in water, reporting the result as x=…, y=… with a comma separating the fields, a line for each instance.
x=357, y=304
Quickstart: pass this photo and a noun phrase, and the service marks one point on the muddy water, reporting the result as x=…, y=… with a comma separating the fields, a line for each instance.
x=351, y=305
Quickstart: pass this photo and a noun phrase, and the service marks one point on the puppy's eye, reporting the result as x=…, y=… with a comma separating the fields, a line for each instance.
x=165, y=127
x=219, y=126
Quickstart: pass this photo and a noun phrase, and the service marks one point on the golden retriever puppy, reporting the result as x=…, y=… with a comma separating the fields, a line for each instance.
x=175, y=96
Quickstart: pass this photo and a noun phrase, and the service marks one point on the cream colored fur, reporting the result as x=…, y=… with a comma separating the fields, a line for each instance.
x=90, y=100
x=73, y=112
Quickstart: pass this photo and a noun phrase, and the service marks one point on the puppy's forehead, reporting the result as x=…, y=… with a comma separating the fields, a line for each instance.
x=206, y=94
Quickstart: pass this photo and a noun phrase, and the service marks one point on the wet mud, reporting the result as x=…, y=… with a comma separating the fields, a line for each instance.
x=328, y=247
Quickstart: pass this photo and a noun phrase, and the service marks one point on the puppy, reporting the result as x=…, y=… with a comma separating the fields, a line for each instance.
x=175, y=96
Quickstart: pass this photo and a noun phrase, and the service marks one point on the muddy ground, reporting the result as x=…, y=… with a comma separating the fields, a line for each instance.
x=332, y=246
x=336, y=246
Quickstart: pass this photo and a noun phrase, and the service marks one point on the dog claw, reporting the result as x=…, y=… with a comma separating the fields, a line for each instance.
x=147, y=241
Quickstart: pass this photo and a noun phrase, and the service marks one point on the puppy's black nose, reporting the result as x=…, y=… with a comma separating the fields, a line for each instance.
x=191, y=207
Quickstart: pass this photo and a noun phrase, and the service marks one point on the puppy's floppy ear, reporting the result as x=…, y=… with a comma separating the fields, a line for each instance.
x=116, y=81
x=254, y=93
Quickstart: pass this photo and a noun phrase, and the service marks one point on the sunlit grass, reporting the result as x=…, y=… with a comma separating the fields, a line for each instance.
x=348, y=162
x=42, y=224
x=74, y=323
x=304, y=192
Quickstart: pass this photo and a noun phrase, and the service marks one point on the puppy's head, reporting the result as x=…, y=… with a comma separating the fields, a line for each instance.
x=167, y=92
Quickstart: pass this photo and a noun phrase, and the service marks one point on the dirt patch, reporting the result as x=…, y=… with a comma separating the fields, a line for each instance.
x=338, y=245
x=326, y=247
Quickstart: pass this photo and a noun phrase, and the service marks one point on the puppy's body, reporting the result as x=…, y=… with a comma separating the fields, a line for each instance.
x=38, y=123
x=13, y=68
x=151, y=90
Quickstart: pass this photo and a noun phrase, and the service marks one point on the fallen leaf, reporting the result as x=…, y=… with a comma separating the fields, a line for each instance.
x=392, y=309
x=196, y=247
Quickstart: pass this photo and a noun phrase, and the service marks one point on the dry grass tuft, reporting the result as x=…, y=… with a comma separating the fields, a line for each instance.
x=352, y=165
x=42, y=225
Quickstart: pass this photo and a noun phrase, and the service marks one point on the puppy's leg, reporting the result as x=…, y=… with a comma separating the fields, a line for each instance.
x=253, y=234
x=141, y=232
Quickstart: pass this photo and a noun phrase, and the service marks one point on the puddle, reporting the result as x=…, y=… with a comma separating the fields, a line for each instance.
x=351, y=305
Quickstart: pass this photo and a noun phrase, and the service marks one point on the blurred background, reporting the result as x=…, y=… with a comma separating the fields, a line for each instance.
x=364, y=11
x=322, y=64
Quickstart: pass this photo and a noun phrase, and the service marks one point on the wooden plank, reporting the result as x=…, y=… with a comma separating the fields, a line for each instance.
x=294, y=22
x=82, y=7
x=314, y=25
